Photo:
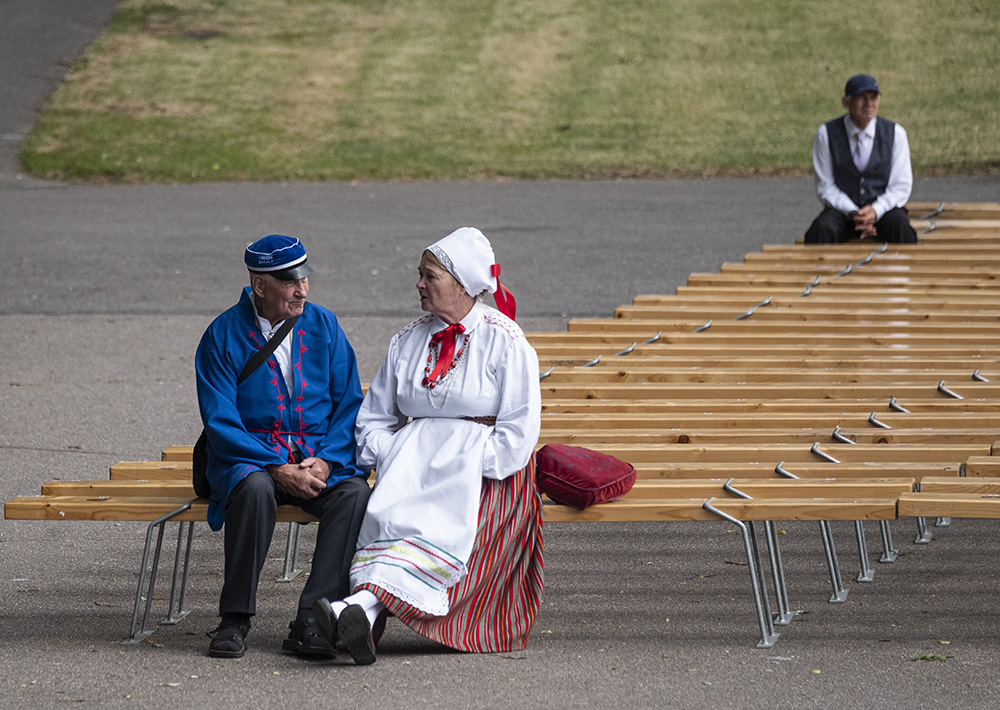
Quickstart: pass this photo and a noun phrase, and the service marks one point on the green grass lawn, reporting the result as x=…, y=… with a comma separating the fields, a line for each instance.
x=195, y=90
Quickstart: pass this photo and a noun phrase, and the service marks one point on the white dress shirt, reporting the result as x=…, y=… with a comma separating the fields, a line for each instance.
x=897, y=192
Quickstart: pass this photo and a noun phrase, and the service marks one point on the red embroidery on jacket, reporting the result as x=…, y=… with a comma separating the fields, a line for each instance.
x=301, y=380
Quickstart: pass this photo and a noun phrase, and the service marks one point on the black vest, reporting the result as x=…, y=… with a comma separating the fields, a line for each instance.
x=864, y=188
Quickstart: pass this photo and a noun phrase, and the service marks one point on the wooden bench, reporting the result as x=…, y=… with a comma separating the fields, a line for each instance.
x=740, y=502
x=969, y=497
x=156, y=502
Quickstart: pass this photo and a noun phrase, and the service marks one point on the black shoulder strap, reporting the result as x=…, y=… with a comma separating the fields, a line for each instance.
x=269, y=347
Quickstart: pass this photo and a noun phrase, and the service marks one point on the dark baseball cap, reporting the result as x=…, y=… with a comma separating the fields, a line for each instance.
x=859, y=84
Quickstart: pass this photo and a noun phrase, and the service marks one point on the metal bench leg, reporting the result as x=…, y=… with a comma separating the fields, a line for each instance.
x=138, y=634
x=291, y=554
x=839, y=590
x=888, y=551
x=923, y=533
x=785, y=614
x=943, y=522
x=867, y=573
x=176, y=610
x=768, y=636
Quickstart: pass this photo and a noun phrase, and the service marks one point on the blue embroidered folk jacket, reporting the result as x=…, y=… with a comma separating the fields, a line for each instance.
x=248, y=426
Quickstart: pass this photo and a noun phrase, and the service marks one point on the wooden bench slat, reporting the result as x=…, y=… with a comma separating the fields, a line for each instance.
x=774, y=488
x=113, y=508
x=847, y=406
x=765, y=470
x=178, y=470
x=122, y=487
x=620, y=373
x=981, y=485
x=871, y=436
x=847, y=453
x=949, y=505
x=770, y=420
x=759, y=391
x=692, y=510
x=982, y=466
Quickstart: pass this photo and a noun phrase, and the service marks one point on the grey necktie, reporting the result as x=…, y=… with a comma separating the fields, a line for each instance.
x=861, y=154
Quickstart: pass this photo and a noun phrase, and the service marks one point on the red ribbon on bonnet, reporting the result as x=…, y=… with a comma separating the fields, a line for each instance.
x=504, y=298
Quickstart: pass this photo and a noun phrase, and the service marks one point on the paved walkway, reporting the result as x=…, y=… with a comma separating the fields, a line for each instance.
x=104, y=292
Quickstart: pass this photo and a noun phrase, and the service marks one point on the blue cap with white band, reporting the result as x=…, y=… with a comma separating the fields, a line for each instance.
x=279, y=256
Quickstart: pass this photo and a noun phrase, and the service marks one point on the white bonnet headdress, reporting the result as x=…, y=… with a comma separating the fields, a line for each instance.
x=468, y=256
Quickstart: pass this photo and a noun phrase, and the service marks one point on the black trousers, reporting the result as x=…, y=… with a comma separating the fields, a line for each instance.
x=832, y=227
x=251, y=513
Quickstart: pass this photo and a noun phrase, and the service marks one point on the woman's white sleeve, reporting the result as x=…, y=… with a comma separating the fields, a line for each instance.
x=515, y=435
x=379, y=418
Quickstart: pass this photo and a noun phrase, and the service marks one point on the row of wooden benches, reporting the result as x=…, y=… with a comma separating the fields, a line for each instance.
x=160, y=492
x=867, y=372
x=881, y=356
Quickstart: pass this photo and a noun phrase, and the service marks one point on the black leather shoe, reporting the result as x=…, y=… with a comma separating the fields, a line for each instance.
x=306, y=638
x=229, y=639
x=356, y=634
x=326, y=619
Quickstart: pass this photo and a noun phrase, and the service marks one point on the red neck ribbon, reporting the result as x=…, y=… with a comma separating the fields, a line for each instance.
x=504, y=298
x=445, y=340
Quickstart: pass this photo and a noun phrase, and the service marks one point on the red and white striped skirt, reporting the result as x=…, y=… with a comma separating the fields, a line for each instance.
x=493, y=607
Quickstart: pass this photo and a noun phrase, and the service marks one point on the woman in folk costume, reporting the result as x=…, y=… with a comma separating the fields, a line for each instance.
x=451, y=543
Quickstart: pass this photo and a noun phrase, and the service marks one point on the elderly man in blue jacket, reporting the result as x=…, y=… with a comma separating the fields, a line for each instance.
x=284, y=434
x=863, y=173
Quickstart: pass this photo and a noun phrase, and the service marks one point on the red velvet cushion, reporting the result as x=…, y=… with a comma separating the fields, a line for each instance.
x=579, y=477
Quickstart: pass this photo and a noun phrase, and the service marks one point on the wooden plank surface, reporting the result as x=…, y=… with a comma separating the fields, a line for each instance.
x=115, y=508
x=692, y=510
x=949, y=505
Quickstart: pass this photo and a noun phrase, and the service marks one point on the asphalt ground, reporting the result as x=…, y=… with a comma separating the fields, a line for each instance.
x=104, y=292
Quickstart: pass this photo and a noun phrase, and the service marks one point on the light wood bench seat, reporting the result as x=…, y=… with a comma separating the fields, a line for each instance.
x=695, y=437
x=792, y=314
x=773, y=420
x=763, y=277
x=791, y=453
x=950, y=505
x=926, y=404
x=648, y=358
x=964, y=484
x=176, y=470
x=956, y=210
x=809, y=356
x=761, y=328
x=143, y=508
x=156, y=502
x=764, y=390
x=679, y=469
x=982, y=466
x=164, y=488
x=770, y=509
x=759, y=489
x=627, y=372
x=830, y=288
x=913, y=269
x=139, y=500
x=637, y=333
x=673, y=454
x=805, y=470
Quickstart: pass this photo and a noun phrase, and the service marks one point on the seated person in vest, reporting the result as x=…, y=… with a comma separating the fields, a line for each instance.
x=283, y=435
x=863, y=175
